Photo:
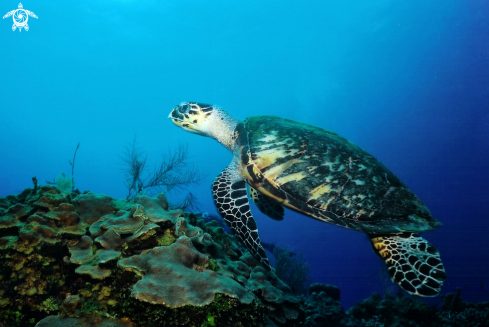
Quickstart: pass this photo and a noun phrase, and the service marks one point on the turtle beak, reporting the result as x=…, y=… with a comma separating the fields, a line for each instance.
x=175, y=121
x=176, y=116
x=189, y=120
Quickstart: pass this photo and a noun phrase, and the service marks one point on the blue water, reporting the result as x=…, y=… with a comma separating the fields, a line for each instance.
x=406, y=80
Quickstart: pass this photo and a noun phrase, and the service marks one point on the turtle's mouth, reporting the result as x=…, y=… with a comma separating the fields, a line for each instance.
x=178, y=121
x=188, y=118
x=180, y=113
x=181, y=121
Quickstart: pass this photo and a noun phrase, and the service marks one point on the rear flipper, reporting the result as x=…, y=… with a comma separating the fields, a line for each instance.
x=413, y=263
x=266, y=205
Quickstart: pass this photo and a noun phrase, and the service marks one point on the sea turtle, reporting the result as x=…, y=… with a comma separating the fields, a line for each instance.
x=321, y=175
x=20, y=17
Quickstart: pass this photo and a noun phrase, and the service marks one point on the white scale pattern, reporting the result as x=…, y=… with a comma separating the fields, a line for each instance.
x=231, y=199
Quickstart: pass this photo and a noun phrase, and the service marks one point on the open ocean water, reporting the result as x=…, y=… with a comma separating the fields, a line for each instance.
x=408, y=81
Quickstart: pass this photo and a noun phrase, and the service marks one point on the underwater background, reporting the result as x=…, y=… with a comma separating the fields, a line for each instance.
x=408, y=81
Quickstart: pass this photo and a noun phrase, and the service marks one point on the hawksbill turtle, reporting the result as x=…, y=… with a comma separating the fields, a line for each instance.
x=322, y=175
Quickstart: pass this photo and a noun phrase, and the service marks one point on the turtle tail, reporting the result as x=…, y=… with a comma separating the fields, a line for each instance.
x=413, y=263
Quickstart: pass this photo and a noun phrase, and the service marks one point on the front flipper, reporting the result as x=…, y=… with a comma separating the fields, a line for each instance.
x=266, y=205
x=231, y=199
x=413, y=263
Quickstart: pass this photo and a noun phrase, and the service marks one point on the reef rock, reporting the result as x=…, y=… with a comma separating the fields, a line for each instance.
x=78, y=254
x=71, y=259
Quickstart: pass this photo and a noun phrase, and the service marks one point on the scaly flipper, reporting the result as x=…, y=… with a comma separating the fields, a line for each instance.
x=413, y=263
x=266, y=205
x=231, y=199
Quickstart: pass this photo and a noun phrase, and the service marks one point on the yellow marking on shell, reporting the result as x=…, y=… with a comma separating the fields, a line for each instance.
x=287, y=204
x=284, y=141
x=268, y=138
x=290, y=178
x=278, y=145
x=318, y=191
x=257, y=172
x=274, y=172
x=265, y=158
x=268, y=157
x=325, y=206
x=361, y=212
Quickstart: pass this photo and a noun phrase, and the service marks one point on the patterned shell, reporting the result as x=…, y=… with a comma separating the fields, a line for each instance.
x=323, y=175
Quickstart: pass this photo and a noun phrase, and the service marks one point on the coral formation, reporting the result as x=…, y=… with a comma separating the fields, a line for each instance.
x=323, y=306
x=410, y=311
x=292, y=269
x=82, y=253
x=177, y=275
x=64, y=184
x=86, y=259
x=391, y=311
x=86, y=321
x=71, y=259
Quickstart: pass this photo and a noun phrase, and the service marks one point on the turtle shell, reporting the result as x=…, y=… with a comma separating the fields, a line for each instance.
x=323, y=175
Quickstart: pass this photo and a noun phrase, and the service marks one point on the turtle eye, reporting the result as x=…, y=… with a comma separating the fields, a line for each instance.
x=183, y=108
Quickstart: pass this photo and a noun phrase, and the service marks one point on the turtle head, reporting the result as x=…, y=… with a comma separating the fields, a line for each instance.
x=193, y=117
x=206, y=120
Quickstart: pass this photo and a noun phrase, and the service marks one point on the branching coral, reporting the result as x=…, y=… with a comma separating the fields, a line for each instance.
x=174, y=172
x=64, y=183
x=292, y=269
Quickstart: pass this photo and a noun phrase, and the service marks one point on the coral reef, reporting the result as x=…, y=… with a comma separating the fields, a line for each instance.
x=323, y=306
x=410, y=311
x=87, y=259
x=292, y=269
x=173, y=172
x=391, y=311
x=71, y=259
